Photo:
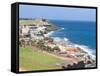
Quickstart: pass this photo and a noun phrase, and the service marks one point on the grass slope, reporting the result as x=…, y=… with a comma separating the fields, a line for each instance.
x=32, y=60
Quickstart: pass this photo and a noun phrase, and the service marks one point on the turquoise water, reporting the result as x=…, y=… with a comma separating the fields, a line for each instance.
x=78, y=32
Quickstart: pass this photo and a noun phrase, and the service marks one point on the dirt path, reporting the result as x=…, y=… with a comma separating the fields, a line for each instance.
x=66, y=59
x=69, y=60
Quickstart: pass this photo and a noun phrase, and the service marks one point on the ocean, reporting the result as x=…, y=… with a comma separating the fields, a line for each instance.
x=78, y=32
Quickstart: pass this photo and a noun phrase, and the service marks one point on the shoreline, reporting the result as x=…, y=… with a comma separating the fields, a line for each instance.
x=66, y=40
x=88, y=52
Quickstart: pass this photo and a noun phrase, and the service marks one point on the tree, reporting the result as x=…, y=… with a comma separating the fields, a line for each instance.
x=40, y=43
x=56, y=48
x=48, y=49
x=42, y=33
x=32, y=42
x=22, y=43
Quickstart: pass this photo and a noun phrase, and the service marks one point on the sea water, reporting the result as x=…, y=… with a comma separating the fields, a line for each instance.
x=81, y=33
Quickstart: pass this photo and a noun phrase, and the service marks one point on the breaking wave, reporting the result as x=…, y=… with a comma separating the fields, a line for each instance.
x=85, y=48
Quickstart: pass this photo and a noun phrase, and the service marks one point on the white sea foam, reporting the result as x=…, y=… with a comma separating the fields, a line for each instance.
x=49, y=34
x=86, y=49
x=62, y=28
x=66, y=39
x=57, y=38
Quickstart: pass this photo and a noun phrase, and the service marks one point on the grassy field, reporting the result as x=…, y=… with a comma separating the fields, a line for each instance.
x=31, y=60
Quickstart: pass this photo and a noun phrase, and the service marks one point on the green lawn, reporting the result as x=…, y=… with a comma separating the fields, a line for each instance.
x=35, y=60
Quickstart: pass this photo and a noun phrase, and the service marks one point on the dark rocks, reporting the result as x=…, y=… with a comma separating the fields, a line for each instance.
x=80, y=64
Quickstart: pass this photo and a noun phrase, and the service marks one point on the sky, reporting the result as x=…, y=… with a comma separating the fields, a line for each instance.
x=57, y=13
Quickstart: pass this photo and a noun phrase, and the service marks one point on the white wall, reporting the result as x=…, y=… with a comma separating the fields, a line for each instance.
x=5, y=31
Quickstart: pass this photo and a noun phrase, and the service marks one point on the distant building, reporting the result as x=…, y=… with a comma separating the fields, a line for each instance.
x=34, y=28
